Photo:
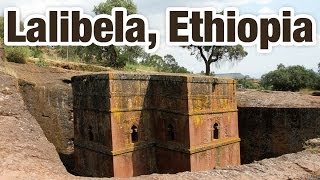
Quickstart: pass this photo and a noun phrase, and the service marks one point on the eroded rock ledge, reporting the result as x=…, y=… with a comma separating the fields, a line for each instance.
x=302, y=165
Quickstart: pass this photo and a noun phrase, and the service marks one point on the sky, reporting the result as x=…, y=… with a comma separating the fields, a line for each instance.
x=254, y=65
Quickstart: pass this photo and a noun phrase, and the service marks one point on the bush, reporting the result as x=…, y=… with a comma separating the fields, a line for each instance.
x=41, y=62
x=17, y=54
x=292, y=78
x=317, y=86
x=246, y=83
x=36, y=52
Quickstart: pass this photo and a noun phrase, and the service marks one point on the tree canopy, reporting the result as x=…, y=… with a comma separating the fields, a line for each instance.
x=247, y=83
x=214, y=54
x=291, y=78
x=166, y=64
x=106, y=7
x=112, y=56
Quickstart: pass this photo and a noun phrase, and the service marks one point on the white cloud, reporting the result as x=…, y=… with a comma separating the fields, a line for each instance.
x=266, y=10
x=147, y=7
x=263, y=1
x=218, y=3
x=39, y=6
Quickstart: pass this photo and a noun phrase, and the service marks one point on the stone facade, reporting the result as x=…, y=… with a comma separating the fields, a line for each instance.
x=134, y=124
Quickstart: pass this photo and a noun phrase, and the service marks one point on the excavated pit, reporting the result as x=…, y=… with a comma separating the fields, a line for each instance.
x=281, y=129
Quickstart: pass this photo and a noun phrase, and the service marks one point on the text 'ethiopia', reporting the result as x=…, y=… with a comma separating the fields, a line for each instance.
x=202, y=26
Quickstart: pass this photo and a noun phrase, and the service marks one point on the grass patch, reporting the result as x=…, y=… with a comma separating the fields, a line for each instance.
x=8, y=71
x=69, y=65
x=306, y=91
x=41, y=63
x=139, y=68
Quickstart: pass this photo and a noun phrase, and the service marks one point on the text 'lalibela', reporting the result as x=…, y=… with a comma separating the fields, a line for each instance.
x=70, y=26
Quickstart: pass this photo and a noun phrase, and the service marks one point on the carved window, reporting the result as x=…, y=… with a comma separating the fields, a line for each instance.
x=171, y=133
x=134, y=134
x=214, y=85
x=215, y=131
x=90, y=133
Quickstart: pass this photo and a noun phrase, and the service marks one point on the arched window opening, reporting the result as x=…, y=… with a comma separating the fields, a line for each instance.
x=216, y=131
x=170, y=133
x=214, y=86
x=90, y=133
x=134, y=134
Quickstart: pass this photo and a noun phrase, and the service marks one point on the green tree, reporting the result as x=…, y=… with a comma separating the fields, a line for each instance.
x=36, y=51
x=154, y=61
x=247, y=83
x=106, y=7
x=129, y=54
x=69, y=52
x=291, y=78
x=1, y=27
x=319, y=68
x=214, y=54
x=113, y=56
x=166, y=64
x=281, y=66
x=171, y=65
x=170, y=62
x=89, y=54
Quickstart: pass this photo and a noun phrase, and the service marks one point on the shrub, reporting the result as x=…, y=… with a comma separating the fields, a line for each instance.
x=41, y=62
x=17, y=54
x=246, y=83
x=292, y=78
x=36, y=52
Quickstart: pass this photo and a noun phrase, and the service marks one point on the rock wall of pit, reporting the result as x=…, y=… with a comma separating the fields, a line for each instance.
x=51, y=105
x=271, y=132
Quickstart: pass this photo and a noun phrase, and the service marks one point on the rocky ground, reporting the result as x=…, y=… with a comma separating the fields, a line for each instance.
x=25, y=153
x=302, y=165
